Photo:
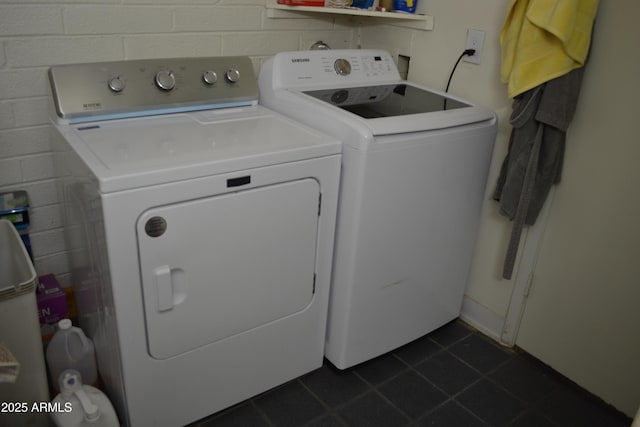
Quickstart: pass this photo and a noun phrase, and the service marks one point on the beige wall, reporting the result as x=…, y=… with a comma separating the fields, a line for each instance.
x=582, y=314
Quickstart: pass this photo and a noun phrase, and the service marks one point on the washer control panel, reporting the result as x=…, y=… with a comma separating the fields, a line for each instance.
x=333, y=68
x=83, y=92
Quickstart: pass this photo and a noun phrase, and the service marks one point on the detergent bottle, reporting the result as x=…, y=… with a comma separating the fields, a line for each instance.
x=80, y=405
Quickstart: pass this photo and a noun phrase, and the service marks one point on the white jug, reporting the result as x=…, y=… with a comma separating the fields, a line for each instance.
x=71, y=349
x=80, y=405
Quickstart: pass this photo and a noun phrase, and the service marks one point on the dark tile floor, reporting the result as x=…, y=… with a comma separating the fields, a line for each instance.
x=453, y=377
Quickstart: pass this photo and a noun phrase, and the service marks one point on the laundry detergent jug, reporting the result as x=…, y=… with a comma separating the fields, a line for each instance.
x=80, y=405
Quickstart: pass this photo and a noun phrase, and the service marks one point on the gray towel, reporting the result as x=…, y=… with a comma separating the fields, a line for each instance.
x=540, y=119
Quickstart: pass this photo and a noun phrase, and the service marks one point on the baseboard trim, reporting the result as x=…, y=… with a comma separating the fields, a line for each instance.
x=483, y=319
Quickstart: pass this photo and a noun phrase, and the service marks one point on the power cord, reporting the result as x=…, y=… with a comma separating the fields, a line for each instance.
x=469, y=52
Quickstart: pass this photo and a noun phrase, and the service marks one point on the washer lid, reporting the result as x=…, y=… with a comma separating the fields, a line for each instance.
x=388, y=109
x=371, y=102
x=132, y=153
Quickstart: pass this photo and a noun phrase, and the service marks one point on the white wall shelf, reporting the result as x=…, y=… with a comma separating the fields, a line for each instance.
x=410, y=20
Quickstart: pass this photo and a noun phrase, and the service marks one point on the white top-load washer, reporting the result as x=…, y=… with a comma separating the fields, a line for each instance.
x=414, y=169
x=200, y=227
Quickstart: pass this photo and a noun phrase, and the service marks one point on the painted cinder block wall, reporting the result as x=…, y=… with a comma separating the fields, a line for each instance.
x=37, y=34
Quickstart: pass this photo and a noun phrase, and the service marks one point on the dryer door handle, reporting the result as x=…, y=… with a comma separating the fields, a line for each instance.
x=164, y=287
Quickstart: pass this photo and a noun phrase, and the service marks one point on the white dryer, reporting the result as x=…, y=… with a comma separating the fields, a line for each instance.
x=414, y=169
x=200, y=228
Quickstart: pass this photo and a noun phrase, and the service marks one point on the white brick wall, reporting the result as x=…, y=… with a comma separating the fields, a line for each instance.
x=30, y=20
x=37, y=34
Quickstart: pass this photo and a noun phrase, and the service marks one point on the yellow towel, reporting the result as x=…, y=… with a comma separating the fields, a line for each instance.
x=544, y=39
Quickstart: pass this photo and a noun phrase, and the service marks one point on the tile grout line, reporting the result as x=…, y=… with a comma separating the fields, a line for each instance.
x=261, y=412
x=450, y=397
x=486, y=377
x=328, y=409
x=374, y=389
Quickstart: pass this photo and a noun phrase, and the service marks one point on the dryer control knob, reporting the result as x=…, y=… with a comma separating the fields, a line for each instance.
x=165, y=80
x=209, y=77
x=342, y=67
x=232, y=75
x=116, y=84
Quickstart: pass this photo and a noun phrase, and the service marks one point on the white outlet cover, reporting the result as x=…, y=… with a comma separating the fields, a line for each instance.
x=475, y=40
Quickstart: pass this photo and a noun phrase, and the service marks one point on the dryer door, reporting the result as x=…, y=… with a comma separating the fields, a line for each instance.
x=216, y=267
